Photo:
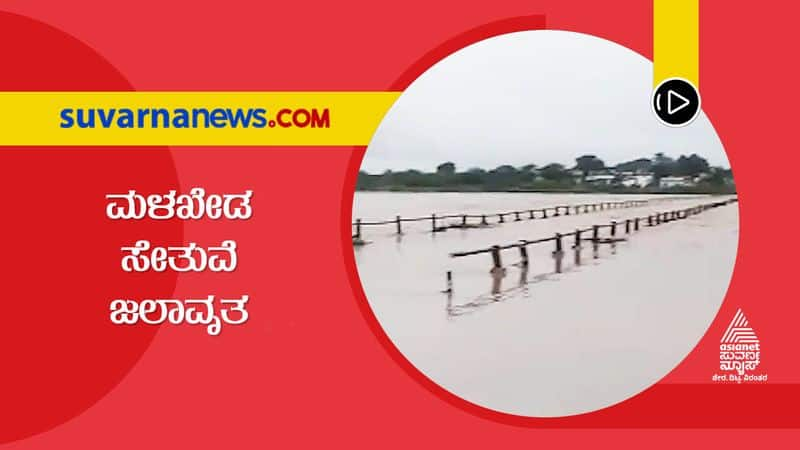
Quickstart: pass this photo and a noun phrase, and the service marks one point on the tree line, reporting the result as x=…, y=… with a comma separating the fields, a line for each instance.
x=555, y=176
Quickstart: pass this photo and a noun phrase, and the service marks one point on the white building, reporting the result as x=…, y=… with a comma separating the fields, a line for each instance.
x=637, y=180
x=670, y=182
x=600, y=179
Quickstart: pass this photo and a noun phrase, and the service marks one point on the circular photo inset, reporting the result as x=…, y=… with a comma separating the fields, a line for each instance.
x=531, y=237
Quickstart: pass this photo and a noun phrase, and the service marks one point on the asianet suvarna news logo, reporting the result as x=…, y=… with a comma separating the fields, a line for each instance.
x=192, y=118
x=739, y=352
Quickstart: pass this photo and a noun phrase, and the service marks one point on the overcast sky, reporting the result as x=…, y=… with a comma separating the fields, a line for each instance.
x=532, y=97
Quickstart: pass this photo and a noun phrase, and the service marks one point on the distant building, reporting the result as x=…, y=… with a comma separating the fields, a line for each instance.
x=671, y=182
x=576, y=173
x=604, y=179
x=640, y=181
x=701, y=177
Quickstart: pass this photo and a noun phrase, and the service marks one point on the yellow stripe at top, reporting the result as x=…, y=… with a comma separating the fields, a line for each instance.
x=676, y=39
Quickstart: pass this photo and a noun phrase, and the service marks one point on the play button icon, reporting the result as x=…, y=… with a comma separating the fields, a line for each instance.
x=684, y=102
x=676, y=102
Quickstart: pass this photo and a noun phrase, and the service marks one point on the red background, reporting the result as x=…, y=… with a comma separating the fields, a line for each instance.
x=310, y=367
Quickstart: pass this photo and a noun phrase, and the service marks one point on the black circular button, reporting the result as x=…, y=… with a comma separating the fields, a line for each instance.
x=676, y=102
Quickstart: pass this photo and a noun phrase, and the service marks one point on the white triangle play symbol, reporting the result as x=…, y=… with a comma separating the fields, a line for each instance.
x=684, y=102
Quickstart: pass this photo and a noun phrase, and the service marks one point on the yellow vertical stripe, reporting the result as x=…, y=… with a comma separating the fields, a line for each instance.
x=676, y=38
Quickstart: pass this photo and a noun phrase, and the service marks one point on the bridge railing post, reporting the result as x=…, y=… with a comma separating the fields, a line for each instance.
x=523, y=253
x=497, y=263
x=558, y=254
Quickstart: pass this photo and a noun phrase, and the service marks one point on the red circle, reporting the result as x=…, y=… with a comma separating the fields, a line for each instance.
x=61, y=254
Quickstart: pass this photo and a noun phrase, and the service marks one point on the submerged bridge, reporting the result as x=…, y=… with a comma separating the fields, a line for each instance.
x=440, y=223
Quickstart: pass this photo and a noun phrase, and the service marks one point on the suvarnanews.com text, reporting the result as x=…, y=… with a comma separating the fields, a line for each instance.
x=194, y=118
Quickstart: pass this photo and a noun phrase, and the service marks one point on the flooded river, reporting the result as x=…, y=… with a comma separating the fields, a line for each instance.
x=534, y=342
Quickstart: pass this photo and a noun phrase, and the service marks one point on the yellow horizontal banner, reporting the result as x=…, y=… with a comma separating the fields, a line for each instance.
x=191, y=118
x=676, y=40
